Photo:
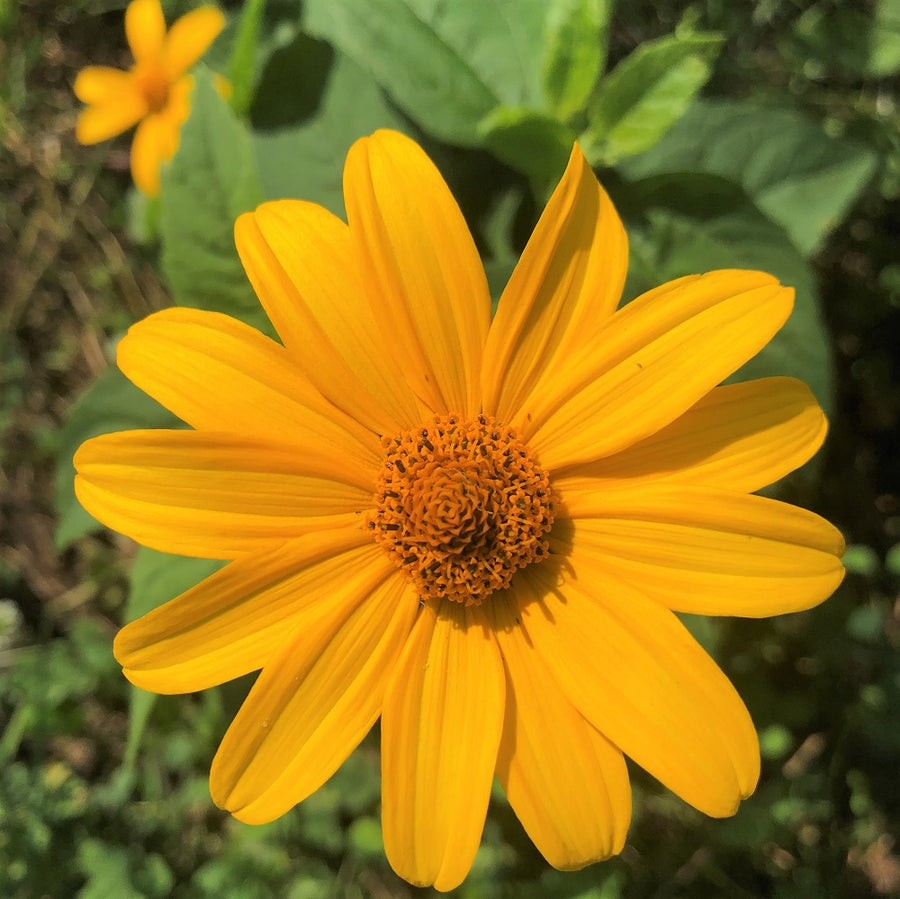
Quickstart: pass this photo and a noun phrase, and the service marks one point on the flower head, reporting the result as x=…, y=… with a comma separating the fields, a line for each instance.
x=153, y=92
x=478, y=530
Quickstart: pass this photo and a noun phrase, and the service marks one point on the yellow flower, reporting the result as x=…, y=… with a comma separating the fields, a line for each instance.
x=154, y=91
x=478, y=530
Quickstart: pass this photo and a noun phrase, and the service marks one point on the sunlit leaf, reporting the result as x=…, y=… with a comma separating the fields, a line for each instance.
x=646, y=94
x=447, y=65
x=534, y=143
x=797, y=174
x=577, y=34
x=242, y=72
x=302, y=137
x=211, y=180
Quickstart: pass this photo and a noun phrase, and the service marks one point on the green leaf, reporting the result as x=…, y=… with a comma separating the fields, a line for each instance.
x=335, y=103
x=531, y=142
x=155, y=578
x=646, y=94
x=775, y=741
x=447, y=65
x=243, y=56
x=158, y=577
x=865, y=42
x=577, y=35
x=106, y=869
x=111, y=871
x=211, y=181
x=697, y=224
x=113, y=403
x=892, y=560
x=861, y=559
x=802, y=178
x=364, y=838
x=866, y=623
x=143, y=216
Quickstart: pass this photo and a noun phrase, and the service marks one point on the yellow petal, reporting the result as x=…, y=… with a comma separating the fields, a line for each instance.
x=653, y=361
x=420, y=267
x=440, y=729
x=223, y=86
x=239, y=618
x=157, y=137
x=633, y=670
x=219, y=374
x=298, y=256
x=100, y=84
x=273, y=477
x=739, y=437
x=145, y=29
x=215, y=495
x=106, y=120
x=706, y=551
x=313, y=703
x=565, y=781
x=708, y=508
x=176, y=111
x=567, y=283
x=153, y=141
x=189, y=38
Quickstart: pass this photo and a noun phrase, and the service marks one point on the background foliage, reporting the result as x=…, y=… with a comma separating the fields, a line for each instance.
x=761, y=135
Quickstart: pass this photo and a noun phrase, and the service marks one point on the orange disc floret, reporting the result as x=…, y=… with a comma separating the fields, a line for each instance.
x=461, y=506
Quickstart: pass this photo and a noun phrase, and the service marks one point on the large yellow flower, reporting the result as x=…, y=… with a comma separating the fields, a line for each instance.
x=154, y=91
x=478, y=530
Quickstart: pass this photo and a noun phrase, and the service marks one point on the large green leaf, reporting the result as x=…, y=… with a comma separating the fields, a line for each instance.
x=211, y=180
x=690, y=225
x=797, y=174
x=646, y=93
x=577, y=35
x=534, y=143
x=300, y=147
x=447, y=65
x=113, y=403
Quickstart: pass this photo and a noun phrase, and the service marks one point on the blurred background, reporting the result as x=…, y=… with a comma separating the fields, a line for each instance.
x=103, y=792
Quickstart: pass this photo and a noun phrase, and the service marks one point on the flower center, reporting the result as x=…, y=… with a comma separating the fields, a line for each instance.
x=154, y=87
x=461, y=506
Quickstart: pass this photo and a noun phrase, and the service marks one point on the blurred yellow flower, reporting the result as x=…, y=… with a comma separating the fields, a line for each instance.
x=478, y=530
x=153, y=92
